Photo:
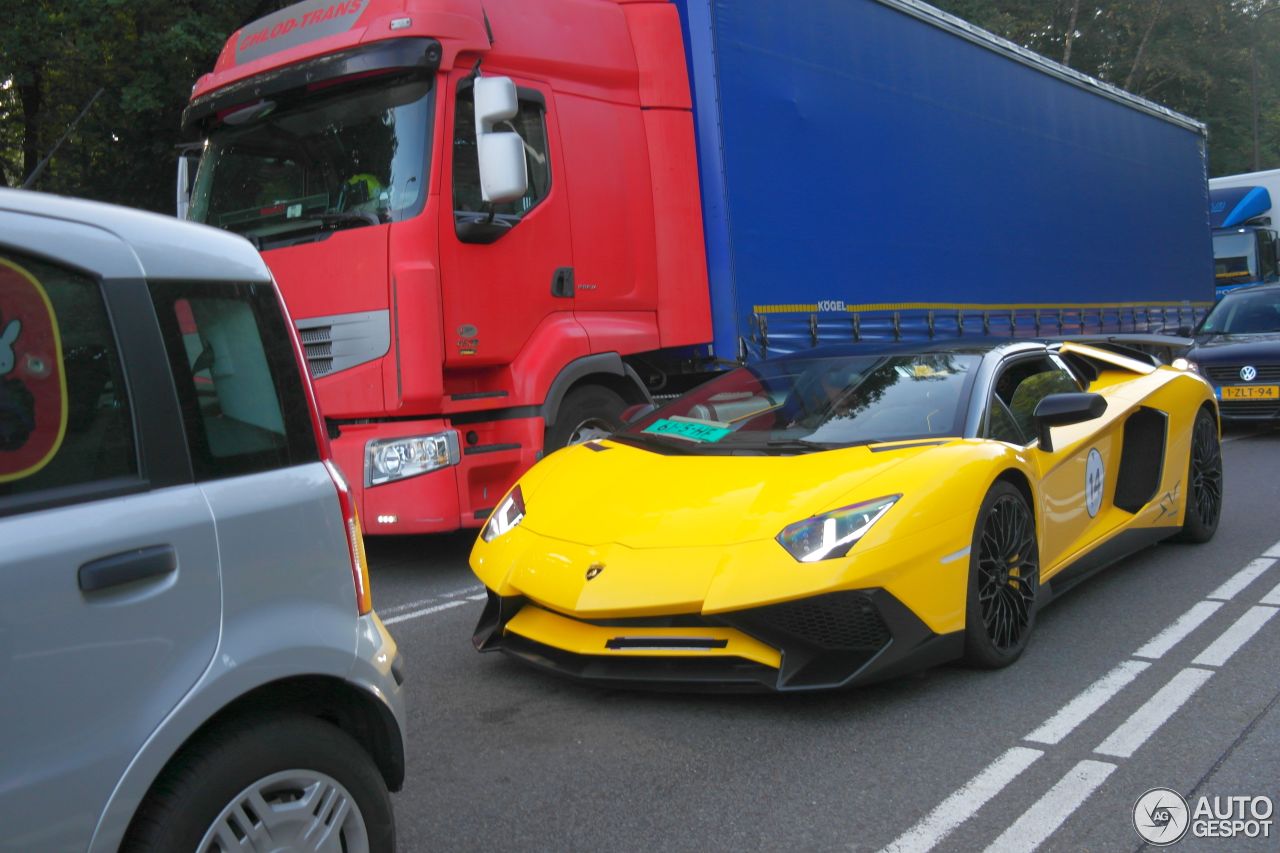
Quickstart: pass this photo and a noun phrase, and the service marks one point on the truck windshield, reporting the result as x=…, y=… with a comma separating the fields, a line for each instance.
x=293, y=172
x=802, y=405
x=1235, y=257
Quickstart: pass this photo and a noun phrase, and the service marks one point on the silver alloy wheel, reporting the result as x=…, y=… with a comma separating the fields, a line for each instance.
x=589, y=430
x=293, y=810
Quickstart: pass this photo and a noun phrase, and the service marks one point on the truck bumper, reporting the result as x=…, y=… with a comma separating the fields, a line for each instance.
x=492, y=455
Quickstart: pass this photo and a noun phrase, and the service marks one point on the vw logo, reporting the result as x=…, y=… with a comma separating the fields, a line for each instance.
x=1248, y=373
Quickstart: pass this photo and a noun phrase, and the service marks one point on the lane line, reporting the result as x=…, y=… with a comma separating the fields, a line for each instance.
x=425, y=612
x=1273, y=597
x=1050, y=811
x=481, y=597
x=397, y=608
x=1158, y=645
x=1086, y=703
x=1143, y=723
x=1241, y=579
x=1221, y=649
x=1273, y=551
x=965, y=802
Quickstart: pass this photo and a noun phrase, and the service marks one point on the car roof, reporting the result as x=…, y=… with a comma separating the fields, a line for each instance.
x=158, y=247
x=1264, y=287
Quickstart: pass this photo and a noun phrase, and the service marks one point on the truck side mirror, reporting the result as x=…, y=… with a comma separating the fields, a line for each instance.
x=503, y=172
x=187, y=161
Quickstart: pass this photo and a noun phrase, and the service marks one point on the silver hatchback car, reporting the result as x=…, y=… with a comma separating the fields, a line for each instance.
x=189, y=658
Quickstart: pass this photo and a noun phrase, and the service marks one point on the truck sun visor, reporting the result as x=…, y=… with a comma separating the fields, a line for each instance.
x=418, y=56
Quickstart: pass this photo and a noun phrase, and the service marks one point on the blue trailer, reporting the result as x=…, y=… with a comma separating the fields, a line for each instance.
x=880, y=170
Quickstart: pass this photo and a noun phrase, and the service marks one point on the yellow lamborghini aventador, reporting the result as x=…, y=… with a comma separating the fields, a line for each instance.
x=838, y=517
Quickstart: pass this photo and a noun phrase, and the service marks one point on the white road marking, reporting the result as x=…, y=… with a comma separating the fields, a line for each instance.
x=1043, y=819
x=1232, y=585
x=481, y=597
x=1221, y=649
x=1273, y=597
x=1143, y=723
x=1080, y=708
x=398, y=608
x=424, y=612
x=1273, y=551
x=1156, y=647
x=964, y=803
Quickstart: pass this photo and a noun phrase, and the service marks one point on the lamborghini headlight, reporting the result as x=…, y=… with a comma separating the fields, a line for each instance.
x=832, y=534
x=508, y=514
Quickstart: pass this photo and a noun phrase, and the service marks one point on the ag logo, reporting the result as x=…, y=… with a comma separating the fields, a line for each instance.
x=33, y=388
x=1161, y=817
x=1095, y=477
x=1248, y=373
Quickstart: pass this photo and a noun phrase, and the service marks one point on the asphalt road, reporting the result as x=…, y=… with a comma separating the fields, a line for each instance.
x=1162, y=671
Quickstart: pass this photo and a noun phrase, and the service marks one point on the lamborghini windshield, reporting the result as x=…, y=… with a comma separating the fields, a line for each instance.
x=282, y=173
x=799, y=405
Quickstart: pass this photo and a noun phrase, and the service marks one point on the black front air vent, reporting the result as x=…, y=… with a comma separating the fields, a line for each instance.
x=839, y=621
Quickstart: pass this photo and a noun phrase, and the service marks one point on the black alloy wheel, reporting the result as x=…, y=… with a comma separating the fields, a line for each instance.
x=1004, y=579
x=1204, y=481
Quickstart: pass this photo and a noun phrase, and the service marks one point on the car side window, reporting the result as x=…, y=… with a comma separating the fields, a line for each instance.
x=237, y=377
x=1021, y=386
x=531, y=123
x=64, y=410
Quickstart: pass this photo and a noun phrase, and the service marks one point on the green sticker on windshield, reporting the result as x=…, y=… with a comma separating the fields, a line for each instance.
x=690, y=429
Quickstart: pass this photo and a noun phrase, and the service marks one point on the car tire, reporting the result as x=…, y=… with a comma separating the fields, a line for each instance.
x=1204, y=482
x=1004, y=580
x=246, y=781
x=588, y=412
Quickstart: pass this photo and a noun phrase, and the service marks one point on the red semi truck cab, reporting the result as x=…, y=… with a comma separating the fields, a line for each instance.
x=455, y=335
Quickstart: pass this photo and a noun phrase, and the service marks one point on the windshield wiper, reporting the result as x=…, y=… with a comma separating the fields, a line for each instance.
x=797, y=444
x=348, y=217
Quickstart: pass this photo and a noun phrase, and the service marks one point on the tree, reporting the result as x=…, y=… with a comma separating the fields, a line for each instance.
x=146, y=54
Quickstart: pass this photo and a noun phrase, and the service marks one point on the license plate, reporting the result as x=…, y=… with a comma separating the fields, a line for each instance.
x=1251, y=392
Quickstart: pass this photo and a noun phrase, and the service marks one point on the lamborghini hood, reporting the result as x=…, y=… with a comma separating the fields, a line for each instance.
x=641, y=499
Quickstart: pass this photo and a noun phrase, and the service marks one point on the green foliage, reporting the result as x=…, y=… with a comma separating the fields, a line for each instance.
x=145, y=54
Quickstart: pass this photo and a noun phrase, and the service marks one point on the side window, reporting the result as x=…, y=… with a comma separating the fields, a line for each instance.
x=1021, y=386
x=237, y=378
x=64, y=411
x=530, y=123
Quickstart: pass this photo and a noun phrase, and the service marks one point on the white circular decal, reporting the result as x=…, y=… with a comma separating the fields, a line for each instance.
x=1248, y=373
x=1094, y=478
x=1161, y=817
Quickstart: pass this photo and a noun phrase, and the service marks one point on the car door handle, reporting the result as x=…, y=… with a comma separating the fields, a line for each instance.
x=127, y=567
x=562, y=283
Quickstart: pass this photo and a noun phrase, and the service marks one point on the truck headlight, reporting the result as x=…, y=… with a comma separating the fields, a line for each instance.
x=832, y=534
x=507, y=515
x=388, y=459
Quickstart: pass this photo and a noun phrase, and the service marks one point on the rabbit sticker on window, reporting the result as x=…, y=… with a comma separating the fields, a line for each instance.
x=17, y=407
x=33, y=373
x=7, y=340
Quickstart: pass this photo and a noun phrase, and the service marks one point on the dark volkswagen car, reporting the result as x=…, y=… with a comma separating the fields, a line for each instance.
x=1237, y=348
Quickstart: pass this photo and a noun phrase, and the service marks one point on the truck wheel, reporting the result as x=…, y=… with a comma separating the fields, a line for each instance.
x=1004, y=577
x=292, y=782
x=586, y=413
x=1204, y=482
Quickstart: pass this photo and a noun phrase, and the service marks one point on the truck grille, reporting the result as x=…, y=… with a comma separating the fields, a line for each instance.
x=317, y=343
x=1229, y=374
